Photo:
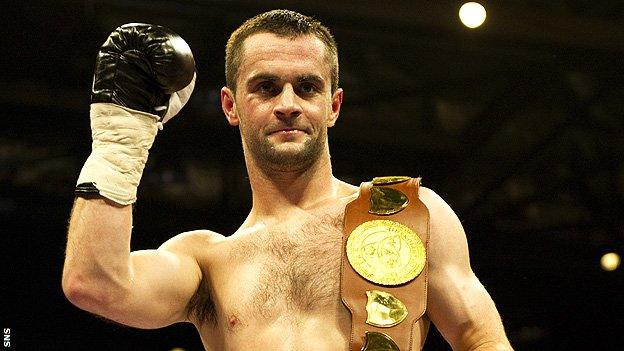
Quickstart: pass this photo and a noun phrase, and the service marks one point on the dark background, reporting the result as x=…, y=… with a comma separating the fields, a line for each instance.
x=518, y=125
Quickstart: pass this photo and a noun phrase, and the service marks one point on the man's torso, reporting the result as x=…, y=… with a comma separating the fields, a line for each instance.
x=276, y=286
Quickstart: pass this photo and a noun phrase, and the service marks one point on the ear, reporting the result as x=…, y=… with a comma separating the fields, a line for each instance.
x=336, y=103
x=228, y=104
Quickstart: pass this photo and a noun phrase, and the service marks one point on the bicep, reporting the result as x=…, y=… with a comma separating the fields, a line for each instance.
x=162, y=282
x=457, y=302
x=462, y=310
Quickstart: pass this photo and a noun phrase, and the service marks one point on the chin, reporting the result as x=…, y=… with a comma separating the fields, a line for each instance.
x=286, y=156
x=291, y=159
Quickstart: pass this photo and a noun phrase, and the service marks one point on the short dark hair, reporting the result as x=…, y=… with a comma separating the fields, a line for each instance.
x=283, y=23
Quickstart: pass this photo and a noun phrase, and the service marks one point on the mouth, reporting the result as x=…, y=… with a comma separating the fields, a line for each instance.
x=287, y=131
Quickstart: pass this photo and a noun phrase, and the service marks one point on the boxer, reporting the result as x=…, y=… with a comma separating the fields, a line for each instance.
x=275, y=283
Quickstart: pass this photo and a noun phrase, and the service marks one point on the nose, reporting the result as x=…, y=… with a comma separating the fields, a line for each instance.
x=287, y=103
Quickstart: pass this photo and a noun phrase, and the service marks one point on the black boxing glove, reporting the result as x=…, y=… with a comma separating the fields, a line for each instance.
x=144, y=75
x=140, y=66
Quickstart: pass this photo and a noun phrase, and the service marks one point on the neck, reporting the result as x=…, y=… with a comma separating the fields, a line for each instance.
x=276, y=194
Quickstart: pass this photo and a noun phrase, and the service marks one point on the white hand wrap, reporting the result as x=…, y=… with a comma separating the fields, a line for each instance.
x=121, y=140
x=178, y=99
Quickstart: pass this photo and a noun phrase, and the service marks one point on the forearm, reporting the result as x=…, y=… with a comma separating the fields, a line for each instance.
x=97, y=261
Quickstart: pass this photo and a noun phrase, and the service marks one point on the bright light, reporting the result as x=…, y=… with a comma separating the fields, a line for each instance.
x=610, y=261
x=472, y=14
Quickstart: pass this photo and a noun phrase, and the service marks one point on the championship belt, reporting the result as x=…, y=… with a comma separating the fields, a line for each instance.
x=383, y=280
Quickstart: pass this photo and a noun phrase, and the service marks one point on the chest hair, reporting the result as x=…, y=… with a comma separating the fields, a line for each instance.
x=299, y=266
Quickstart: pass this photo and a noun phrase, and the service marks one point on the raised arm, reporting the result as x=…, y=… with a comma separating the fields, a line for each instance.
x=457, y=302
x=143, y=76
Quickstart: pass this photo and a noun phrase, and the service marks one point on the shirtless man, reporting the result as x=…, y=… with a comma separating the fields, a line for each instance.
x=274, y=283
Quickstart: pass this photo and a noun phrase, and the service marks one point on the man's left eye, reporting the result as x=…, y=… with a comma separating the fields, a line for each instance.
x=307, y=88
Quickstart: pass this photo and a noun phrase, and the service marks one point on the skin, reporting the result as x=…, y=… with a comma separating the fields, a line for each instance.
x=275, y=281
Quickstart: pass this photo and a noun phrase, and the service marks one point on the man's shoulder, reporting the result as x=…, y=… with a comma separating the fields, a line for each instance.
x=430, y=198
x=439, y=209
x=189, y=241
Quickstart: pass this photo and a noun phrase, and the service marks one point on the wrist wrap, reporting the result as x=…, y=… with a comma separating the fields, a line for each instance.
x=121, y=140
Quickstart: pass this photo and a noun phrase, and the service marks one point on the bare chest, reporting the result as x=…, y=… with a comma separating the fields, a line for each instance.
x=286, y=271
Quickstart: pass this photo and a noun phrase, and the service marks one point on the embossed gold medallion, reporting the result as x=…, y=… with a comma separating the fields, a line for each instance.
x=383, y=309
x=376, y=341
x=386, y=252
x=389, y=180
x=387, y=201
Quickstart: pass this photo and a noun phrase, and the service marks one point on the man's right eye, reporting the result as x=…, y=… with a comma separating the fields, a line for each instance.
x=266, y=87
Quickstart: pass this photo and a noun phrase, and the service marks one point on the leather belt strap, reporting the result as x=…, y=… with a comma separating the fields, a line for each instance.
x=353, y=286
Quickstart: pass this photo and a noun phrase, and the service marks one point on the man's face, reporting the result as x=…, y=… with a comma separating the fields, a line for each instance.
x=283, y=103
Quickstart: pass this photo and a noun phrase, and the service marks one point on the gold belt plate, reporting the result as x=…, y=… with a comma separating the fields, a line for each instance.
x=376, y=341
x=390, y=180
x=386, y=252
x=384, y=309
